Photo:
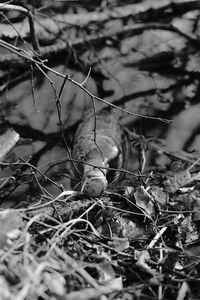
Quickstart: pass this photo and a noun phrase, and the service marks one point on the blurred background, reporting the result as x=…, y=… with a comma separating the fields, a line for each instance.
x=141, y=56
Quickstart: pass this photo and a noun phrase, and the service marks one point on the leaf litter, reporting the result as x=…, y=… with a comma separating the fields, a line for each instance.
x=139, y=240
x=136, y=243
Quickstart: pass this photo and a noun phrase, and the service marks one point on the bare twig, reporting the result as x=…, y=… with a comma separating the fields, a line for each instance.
x=32, y=89
x=30, y=16
x=25, y=55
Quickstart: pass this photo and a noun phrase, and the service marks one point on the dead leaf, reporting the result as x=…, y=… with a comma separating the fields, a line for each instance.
x=159, y=196
x=187, y=230
x=170, y=260
x=108, y=223
x=133, y=230
x=178, y=180
x=145, y=201
x=142, y=259
x=120, y=244
x=106, y=271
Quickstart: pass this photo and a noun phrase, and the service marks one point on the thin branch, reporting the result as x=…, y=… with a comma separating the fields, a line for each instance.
x=24, y=54
x=86, y=79
x=30, y=16
x=142, y=13
x=32, y=89
x=151, y=92
x=58, y=106
x=79, y=44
